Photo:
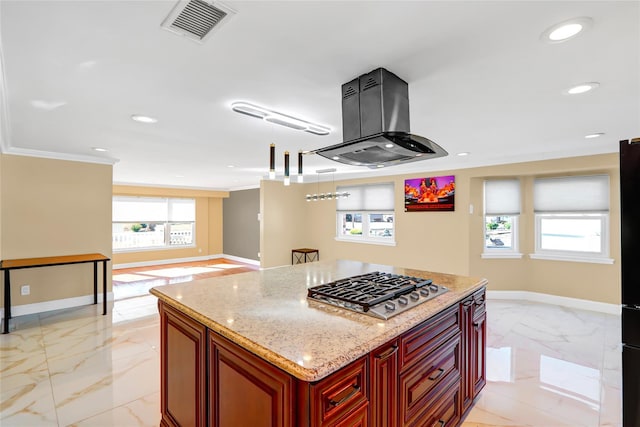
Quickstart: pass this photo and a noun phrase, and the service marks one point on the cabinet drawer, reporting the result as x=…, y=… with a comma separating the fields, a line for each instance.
x=424, y=338
x=446, y=409
x=338, y=394
x=356, y=419
x=421, y=385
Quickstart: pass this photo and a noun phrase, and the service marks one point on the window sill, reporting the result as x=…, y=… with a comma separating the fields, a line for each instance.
x=150, y=249
x=496, y=255
x=588, y=259
x=367, y=242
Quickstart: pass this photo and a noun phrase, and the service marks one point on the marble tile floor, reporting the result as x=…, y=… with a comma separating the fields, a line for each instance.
x=546, y=366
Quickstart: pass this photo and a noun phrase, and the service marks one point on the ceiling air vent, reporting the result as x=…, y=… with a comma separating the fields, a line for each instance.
x=195, y=19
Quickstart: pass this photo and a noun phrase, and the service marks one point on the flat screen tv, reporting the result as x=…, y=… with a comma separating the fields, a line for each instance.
x=436, y=193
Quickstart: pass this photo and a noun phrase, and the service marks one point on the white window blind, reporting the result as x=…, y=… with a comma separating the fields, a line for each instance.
x=571, y=194
x=502, y=197
x=373, y=197
x=134, y=209
x=182, y=210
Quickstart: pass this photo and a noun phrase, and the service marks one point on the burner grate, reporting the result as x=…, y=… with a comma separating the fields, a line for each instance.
x=367, y=290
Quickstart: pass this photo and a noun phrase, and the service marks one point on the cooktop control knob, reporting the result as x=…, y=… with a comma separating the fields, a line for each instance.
x=390, y=306
x=403, y=300
x=414, y=296
x=424, y=292
x=434, y=288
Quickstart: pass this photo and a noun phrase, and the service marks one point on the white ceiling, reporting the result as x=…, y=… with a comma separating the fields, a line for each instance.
x=480, y=81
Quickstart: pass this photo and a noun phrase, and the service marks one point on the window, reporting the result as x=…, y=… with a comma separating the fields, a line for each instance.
x=367, y=215
x=148, y=223
x=572, y=218
x=501, y=212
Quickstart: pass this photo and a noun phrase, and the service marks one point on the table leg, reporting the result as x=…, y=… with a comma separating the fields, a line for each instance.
x=104, y=287
x=7, y=301
x=95, y=282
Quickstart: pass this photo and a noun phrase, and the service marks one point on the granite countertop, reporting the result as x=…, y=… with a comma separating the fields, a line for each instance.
x=267, y=313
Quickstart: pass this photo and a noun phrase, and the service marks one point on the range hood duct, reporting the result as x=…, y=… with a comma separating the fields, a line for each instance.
x=375, y=124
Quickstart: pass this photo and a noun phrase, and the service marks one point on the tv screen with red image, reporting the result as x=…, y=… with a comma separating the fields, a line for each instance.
x=435, y=193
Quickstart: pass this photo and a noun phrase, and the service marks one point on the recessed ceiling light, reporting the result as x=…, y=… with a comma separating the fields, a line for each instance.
x=179, y=176
x=100, y=149
x=389, y=145
x=594, y=135
x=47, y=105
x=278, y=118
x=464, y=153
x=336, y=158
x=230, y=166
x=143, y=119
x=566, y=30
x=380, y=166
x=582, y=88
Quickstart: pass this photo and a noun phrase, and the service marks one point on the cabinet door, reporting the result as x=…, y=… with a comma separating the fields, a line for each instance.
x=478, y=369
x=244, y=390
x=384, y=385
x=466, y=320
x=183, y=369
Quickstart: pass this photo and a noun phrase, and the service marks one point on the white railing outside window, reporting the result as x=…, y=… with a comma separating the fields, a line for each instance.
x=152, y=223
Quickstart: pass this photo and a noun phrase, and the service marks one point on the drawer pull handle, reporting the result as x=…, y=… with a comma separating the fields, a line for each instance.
x=439, y=423
x=438, y=375
x=467, y=303
x=476, y=324
x=356, y=388
x=387, y=353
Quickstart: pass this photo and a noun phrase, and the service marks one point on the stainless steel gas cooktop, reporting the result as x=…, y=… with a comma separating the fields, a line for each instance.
x=377, y=294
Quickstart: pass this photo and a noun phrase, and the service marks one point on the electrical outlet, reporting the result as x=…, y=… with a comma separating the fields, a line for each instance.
x=25, y=290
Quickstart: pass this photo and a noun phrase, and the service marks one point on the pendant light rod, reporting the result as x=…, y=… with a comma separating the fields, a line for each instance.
x=300, y=175
x=272, y=161
x=286, y=168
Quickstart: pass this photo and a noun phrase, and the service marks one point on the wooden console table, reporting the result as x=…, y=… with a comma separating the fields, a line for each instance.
x=15, y=264
x=302, y=255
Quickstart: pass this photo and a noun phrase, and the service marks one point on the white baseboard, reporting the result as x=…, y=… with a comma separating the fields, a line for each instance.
x=240, y=259
x=180, y=260
x=40, y=307
x=581, y=304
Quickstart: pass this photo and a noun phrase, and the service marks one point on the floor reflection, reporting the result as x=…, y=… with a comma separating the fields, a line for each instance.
x=549, y=366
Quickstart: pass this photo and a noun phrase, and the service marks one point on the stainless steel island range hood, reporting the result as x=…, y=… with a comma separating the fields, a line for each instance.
x=375, y=124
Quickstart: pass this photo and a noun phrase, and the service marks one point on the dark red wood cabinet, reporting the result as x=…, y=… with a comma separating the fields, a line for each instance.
x=183, y=379
x=428, y=376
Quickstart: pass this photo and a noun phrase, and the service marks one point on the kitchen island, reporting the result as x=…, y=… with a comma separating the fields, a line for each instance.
x=250, y=350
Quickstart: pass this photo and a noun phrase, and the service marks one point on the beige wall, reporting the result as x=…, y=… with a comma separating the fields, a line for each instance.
x=450, y=242
x=284, y=225
x=54, y=207
x=208, y=223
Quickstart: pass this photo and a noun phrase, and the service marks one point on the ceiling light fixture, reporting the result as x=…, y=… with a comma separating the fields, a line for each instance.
x=582, y=88
x=272, y=161
x=143, y=119
x=326, y=196
x=464, y=153
x=100, y=149
x=566, y=30
x=300, y=176
x=287, y=180
x=594, y=135
x=47, y=105
x=278, y=118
